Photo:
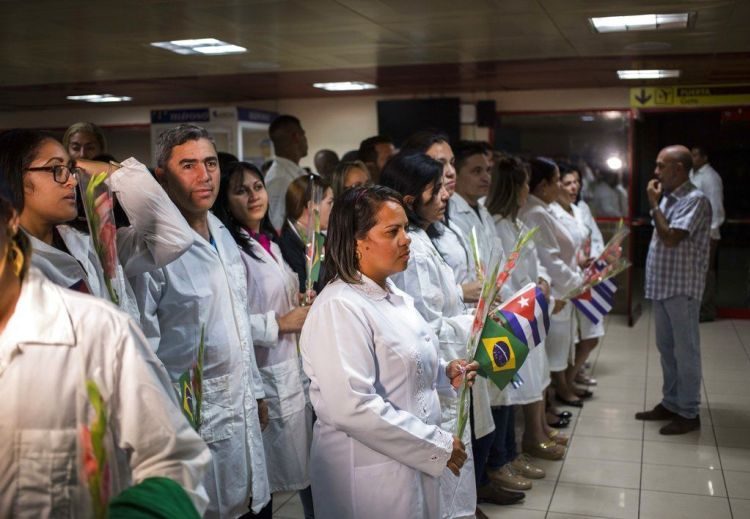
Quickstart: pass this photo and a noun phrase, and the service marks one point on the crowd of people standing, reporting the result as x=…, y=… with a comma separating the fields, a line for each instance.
x=343, y=390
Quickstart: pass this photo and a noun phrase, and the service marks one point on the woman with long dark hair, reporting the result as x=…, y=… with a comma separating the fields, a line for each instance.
x=375, y=373
x=276, y=319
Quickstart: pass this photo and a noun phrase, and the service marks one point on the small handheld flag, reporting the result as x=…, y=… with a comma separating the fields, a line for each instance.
x=526, y=315
x=598, y=300
x=190, y=387
x=500, y=354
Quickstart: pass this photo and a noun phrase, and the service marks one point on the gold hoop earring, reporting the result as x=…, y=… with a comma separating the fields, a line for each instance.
x=359, y=256
x=15, y=255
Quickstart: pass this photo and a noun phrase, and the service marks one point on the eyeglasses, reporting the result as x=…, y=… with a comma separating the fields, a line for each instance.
x=60, y=172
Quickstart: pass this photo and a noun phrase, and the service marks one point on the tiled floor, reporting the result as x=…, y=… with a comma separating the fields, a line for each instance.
x=617, y=467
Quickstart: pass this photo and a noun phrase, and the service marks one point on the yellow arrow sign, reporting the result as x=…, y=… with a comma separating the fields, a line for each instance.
x=690, y=95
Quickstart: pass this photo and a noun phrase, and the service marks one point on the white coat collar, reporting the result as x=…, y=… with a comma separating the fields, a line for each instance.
x=372, y=289
x=40, y=316
x=534, y=200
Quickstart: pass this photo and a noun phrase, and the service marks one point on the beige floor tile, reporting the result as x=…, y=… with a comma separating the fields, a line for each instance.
x=613, y=449
x=597, y=501
x=665, y=505
x=511, y=512
x=625, y=428
x=733, y=437
x=735, y=459
x=584, y=471
x=738, y=484
x=540, y=495
x=557, y=515
x=740, y=508
x=685, y=480
x=618, y=395
x=280, y=498
x=292, y=509
x=597, y=408
x=681, y=454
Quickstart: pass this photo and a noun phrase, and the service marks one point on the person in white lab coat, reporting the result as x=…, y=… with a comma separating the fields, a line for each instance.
x=203, y=294
x=65, y=255
x=558, y=254
x=708, y=180
x=508, y=193
x=289, y=146
x=54, y=344
x=429, y=280
x=274, y=299
x=588, y=333
x=378, y=449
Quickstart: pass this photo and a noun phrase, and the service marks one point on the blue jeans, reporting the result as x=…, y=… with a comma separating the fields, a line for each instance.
x=678, y=341
x=503, y=449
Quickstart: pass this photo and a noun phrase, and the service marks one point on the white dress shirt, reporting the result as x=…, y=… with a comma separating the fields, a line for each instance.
x=281, y=173
x=708, y=180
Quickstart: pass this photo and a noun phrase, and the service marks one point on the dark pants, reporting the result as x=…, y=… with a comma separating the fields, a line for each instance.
x=481, y=449
x=503, y=448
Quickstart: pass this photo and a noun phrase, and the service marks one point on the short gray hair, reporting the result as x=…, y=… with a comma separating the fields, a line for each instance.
x=177, y=136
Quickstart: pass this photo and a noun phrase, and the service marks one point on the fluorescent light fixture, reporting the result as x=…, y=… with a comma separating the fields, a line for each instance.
x=344, y=86
x=648, y=74
x=100, y=98
x=641, y=22
x=614, y=163
x=205, y=46
x=587, y=118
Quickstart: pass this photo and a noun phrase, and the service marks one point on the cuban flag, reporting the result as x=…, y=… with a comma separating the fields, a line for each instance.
x=597, y=302
x=526, y=315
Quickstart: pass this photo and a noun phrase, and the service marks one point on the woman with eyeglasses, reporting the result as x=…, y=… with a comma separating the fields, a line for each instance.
x=74, y=372
x=45, y=178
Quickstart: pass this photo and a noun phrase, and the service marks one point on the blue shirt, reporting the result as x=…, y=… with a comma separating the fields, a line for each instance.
x=680, y=270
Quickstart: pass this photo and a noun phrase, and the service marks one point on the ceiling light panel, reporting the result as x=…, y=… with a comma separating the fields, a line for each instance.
x=345, y=86
x=100, y=98
x=204, y=46
x=648, y=74
x=641, y=22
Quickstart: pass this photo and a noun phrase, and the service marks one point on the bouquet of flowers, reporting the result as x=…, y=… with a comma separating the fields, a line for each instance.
x=473, y=242
x=190, y=389
x=98, y=205
x=95, y=465
x=313, y=239
x=493, y=282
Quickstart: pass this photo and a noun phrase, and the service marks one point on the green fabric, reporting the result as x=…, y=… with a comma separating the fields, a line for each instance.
x=500, y=354
x=153, y=498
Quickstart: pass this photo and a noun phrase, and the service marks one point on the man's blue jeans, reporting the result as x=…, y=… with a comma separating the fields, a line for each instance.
x=678, y=341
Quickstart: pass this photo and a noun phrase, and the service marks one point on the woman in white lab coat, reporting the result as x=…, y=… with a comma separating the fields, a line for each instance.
x=588, y=333
x=276, y=319
x=53, y=343
x=429, y=280
x=375, y=373
x=65, y=255
x=558, y=254
x=508, y=193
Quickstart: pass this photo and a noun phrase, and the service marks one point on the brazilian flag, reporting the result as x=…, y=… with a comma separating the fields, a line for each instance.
x=500, y=354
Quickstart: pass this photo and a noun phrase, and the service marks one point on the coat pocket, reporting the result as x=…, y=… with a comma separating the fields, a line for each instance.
x=47, y=483
x=391, y=482
x=285, y=393
x=217, y=413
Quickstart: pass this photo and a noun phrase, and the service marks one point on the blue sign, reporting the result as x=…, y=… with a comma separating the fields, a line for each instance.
x=187, y=115
x=255, y=116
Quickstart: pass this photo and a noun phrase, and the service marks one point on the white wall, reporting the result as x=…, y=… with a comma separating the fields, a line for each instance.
x=335, y=122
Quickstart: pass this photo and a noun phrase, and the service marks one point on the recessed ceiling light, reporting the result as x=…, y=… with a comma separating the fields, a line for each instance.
x=641, y=22
x=100, y=98
x=647, y=74
x=206, y=46
x=343, y=86
x=614, y=163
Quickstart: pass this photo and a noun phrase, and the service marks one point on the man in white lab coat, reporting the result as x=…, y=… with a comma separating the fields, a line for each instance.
x=708, y=180
x=289, y=146
x=202, y=296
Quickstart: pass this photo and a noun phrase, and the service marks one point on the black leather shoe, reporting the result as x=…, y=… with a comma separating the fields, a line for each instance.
x=561, y=423
x=565, y=414
x=657, y=413
x=493, y=493
x=681, y=425
x=584, y=394
x=571, y=403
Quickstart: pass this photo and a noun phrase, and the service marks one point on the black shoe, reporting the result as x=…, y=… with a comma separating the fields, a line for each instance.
x=657, y=413
x=493, y=493
x=565, y=414
x=561, y=423
x=584, y=394
x=681, y=425
x=571, y=403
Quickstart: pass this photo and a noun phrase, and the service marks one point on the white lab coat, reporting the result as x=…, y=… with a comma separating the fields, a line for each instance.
x=429, y=281
x=535, y=371
x=207, y=286
x=158, y=234
x=709, y=181
x=557, y=252
x=375, y=375
x=466, y=218
x=55, y=340
x=582, y=212
x=453, y=246
x=272, y=287
x=281, y=173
